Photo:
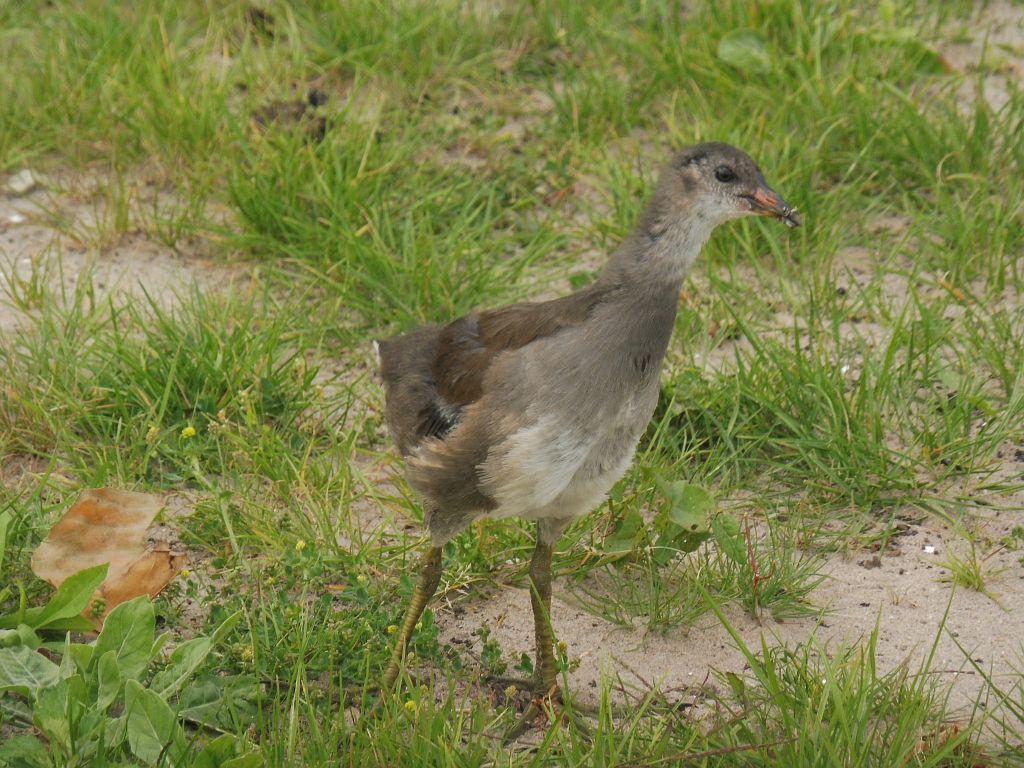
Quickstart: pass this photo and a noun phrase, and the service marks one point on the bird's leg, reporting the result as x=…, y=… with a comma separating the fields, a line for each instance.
x=426, y=585
x=545, y=669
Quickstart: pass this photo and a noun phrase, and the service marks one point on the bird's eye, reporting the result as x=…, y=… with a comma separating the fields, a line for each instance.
x=725, y=174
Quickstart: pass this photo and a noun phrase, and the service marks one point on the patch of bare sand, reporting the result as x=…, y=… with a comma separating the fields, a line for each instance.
x=900, y=592
x=990, y=42
x=42, y=251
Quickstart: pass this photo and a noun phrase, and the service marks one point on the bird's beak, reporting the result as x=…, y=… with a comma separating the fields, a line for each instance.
x=767, y=202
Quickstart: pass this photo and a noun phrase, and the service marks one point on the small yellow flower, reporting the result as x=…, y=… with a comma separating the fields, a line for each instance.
x=188, y=432
x=247, y=653
x=185, y=573
x=511, y=691
x=410, y=706
x=361, y=579
x=152, y=434
x=392, y=628
x=300, y=545
x=562, y=646
x=419, y=626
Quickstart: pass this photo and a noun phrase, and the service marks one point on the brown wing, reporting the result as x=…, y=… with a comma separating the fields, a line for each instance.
x=468, y=345
x=431, y=374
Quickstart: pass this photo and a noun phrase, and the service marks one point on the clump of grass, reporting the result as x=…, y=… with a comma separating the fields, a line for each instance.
x=970, y=570
x=400, y=240
x=173, y=389
x=814, y=703
x=756, y=566
x=872, y=425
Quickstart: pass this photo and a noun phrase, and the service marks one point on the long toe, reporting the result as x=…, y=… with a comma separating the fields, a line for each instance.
x=526, y=721
x=546, y=707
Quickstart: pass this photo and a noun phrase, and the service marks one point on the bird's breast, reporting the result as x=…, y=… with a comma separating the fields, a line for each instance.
x=562, y=466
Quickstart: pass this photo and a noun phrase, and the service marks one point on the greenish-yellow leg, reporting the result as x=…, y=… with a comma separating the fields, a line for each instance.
x=426, y=585
x=545, y=671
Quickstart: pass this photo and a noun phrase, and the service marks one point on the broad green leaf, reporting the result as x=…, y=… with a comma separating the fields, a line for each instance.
x=184, y=661
x=689, y=542
x=665, y=547
x=627, y=536
x=69, y=624
x=115, y=730
x=746, y=50
x=24, y=752
x=25, y=671
x=53, y=705
x=225, y=627
x=663, y=551
x=222, y=752
x=128, y=631
x=729, y=538
x=27, y=637
x=109, y=678
x=153, y=731
x=690, y=507
x=81, y=654
x=68, y=665
x=158, y=644
x=951, y=380
x=217, y=752
x=187, y=657
x=72, y=597
x=224, y=703
x=684, y=522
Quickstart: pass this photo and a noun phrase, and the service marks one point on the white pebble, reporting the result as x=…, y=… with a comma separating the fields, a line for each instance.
x=23, y=182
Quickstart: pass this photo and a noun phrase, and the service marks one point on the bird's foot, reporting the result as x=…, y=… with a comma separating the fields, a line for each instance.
x=531, y=684
x=520, y=683
x=553, y=706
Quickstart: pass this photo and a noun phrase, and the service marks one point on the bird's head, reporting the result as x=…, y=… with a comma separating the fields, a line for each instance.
x=719, y=182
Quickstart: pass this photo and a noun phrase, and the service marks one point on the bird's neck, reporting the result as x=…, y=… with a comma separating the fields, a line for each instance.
x=658, y=252
x=641, y=282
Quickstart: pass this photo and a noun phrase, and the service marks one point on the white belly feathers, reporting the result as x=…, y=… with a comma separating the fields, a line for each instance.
x=555, y=468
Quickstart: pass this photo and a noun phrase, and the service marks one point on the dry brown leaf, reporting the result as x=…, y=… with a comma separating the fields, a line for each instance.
x=108, y=525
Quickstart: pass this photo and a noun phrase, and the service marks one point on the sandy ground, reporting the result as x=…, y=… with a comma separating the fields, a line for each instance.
x=36, y=252
x=992, y=41
x=901, y=591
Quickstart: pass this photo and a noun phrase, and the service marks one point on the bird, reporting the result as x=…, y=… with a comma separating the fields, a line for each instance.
x=534, y=410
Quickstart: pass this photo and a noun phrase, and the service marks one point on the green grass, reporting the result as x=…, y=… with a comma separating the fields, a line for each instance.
x=817, y=704
x=826, y=384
